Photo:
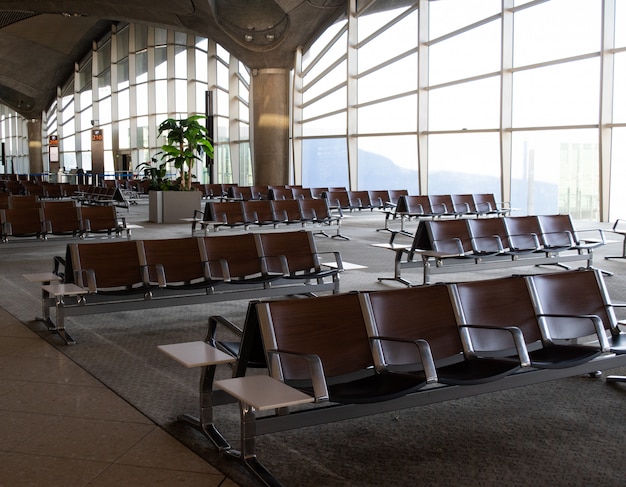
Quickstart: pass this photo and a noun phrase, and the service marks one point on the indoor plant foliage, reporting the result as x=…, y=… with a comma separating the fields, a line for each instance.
x=187, y=140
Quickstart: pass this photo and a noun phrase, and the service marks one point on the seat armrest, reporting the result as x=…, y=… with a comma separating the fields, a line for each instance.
x=156, y=273
x=425, y=354
x=596, y=322
x=515, y=334
x=218, y=320
x=316, y=371
x=335, y=254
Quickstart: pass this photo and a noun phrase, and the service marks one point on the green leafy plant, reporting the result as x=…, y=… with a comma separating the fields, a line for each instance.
x=187, y=140
x=156, y=173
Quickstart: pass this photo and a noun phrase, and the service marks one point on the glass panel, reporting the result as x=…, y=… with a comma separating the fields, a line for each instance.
x=141, y=37
x=618, y=175
x=142, y=132
x=451, y=15
x=222, y=75
x=385, y=45
x=464, y=163
x=243, y=112
x=564, y=94
x=398, y=115
x=142, y=99
x=85, y=98
x=123, y=104
x=330, y=102
x=370, y=23
x=243, y=92
x=388, y=163
x=221, y=106
x=330, y=80
x=104, y=84
x=555, y=30
x=160, y=37
x=202, y=66
x=202, y=43
x=181, y=95
x=105, y=111
x=222, y=53
x=84, y=76
x=104, y=56
x=86, y=117
x=124, y=134
x=180, y=38
x=472, y=105
x=141, y=67
x=180, y=61
x=246, y=176
x=122, y=75
x=556, y=171
x=399, y=77
x=336, y=51
x=321, y=42
x=469, y=54
x=619, y=87
x=333, y=125
x=243, y=72
x=160, y=62
x=160, y=88
x=325, y=163
x=67, y=113
x=122, y=43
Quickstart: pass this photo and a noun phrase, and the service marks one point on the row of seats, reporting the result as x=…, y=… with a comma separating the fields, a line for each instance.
x=60, y=218
x=487, y=243
x=245, y=213
x=378, y=351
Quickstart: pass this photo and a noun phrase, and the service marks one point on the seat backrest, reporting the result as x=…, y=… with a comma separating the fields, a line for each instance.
x=214, y=190
x=395, y=194
x=464, y=203
x=580, y=292
x=101, y=218
x=524, y=232
x=485, y=202
x=449, y=236
x=331, y=327
x=63, y=216
x=24, y=201
x=228, y=212
x=237, y=251
x=114, y=264
x=379, y=198
x=414, y=205
x=259, y=211
x=4, y=201
x=314, y=208
x=557, y=230
x=301, y=193
x=277, y=193
x=287, y=210
x=414, y=313
x=359, y=199
x=498, y=302
x=259, y=191
x=23, y=221
x=182, y=259
x=441, y=203
x=318, y=192
x=488, y=234
x=296, y=248
x=338, y=199
x=240, y=192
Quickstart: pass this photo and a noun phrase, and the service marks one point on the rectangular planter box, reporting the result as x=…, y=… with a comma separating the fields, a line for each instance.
x=171, y=206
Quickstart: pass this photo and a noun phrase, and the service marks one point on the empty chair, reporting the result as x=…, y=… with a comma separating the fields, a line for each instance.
x=214, y=191
x=240, y=193
x=359, y=200
x=53, y=191
x=4, y=201
x=449, y=236
x=379, y=199
x=393, y=314
x=557, y=232
x=338, y=200
x=316, y=210
x=295, y=255
x=24, y=201
x=22, y=222
x=318, y=192
x=318, y=345
x=259, y=191
x=396, y=194
x=100, y=219
x=465, y=204
x=524, y=233
x=488, y=236
x=507, y=302
x=260, y=212
x=280, y=193
x=442, y=204
x=486, y=204
x=301, y=193
x=287, y=211
x=62, y=218
x=235, y=259
x=179, y=263
x=113, y=267
x=228, y=213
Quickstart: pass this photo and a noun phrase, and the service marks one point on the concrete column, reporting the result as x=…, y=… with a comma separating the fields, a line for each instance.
x=270, y=126
x=35, y=154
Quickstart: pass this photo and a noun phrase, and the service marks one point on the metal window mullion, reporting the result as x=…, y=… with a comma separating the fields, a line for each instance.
x=234, y=136
x=506, y=100
x=296, y=117
x=422, y=95
x=352, y=98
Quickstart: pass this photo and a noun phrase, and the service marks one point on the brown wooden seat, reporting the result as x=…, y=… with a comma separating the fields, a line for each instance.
x=228, y=213
x=338, y=200
x=488, y=236
x=359, y=200
x=486, y=204
x=62, y=218
x=427, y=313
x=379, y=199
x=443, y=205
x=280, y=193
x=557, y=232
x=111, y=267
x=24, y=201
x=524, y=233
x=101, y=219
x=317, y=211
x=318, y=345
x=449, y=236
x=235, y=259
x=465, y=204
x=301, y=193
x=180, y=263
x=295, y=255
x=507, y=302
x=260, y=212
x=287, y=211
x=22, y=222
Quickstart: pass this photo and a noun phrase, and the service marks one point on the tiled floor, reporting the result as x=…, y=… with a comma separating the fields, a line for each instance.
x=59, y=426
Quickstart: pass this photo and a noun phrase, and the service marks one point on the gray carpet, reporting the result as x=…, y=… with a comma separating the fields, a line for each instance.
x=562, y=433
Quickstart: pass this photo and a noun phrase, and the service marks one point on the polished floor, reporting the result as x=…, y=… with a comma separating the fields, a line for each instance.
x=59, y=426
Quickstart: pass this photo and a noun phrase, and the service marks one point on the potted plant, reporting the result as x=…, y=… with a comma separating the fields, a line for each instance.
x=187, y=140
